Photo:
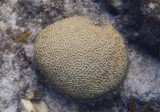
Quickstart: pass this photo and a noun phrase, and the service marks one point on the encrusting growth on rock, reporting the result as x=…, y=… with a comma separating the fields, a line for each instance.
x=81, y=59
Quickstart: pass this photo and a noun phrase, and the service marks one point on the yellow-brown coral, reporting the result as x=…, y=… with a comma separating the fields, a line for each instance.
x=81, y=59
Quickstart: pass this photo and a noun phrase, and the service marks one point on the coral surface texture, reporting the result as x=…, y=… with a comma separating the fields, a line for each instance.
x=80, y=58
x=91, y=51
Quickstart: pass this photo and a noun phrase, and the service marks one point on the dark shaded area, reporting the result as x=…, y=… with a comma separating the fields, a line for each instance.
x=147, y=27
x=149, y=37
x=107, y=7
x=111, y=9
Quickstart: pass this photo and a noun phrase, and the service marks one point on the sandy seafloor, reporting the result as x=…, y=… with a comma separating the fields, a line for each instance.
x=18, y=75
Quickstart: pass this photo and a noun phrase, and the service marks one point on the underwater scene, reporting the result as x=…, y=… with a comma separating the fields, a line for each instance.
x=79, y=55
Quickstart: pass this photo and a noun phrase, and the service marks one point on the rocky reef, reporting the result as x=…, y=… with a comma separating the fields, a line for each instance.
x=141, y=21
x=138, y=23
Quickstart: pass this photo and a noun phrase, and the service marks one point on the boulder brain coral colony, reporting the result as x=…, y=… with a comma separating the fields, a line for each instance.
x=81, y=59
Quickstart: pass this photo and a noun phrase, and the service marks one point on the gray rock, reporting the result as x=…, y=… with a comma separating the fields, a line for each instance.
x=143, y=79
x=17, y=70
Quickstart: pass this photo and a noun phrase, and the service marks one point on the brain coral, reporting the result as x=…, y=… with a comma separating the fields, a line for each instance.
x=81, y=59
